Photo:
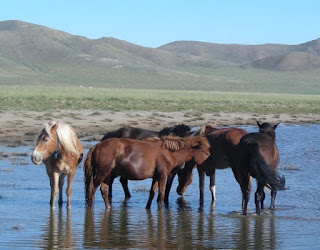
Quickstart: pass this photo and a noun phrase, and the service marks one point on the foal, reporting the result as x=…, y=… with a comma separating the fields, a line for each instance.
x=139, y=160
x=61, y=151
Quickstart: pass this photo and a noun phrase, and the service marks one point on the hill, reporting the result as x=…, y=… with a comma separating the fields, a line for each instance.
x=34, y=54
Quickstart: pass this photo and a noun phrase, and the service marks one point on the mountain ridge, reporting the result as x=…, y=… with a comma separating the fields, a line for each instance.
x=23, y=42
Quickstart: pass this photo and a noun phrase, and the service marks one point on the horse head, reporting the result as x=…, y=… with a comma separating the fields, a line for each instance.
x=185, y=177
x=202, y=149
x=267, y=128
x=54, y=138
x=47, y=144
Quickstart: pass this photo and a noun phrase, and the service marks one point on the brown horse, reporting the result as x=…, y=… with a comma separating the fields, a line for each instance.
x=61, y=151
x=253, y=154
x=223, y=142
x=139, y=160
x=141, y=134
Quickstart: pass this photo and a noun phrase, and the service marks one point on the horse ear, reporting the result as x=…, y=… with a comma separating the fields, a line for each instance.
x=259, y=125
x=275, y=126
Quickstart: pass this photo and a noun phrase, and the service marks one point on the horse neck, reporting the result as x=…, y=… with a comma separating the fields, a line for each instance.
x=182, y=156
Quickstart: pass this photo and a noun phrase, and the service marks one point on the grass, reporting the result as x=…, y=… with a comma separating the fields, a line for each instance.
x=46, y=98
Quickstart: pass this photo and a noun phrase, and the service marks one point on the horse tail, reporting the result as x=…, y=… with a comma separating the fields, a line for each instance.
x=262, y=171
x=88, y=176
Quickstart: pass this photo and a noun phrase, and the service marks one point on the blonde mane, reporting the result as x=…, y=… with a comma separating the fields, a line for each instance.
x=66, y=135
x=174, y=143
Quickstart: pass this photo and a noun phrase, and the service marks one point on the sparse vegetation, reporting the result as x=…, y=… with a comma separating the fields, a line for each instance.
x=40, y=98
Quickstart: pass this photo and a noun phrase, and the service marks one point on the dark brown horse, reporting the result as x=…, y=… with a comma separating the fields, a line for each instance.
x=180, y=130
x=138, y=160
x=272, y=158
x=223, y=142
x=258, y=157
x=253, y=154
x=61, y=151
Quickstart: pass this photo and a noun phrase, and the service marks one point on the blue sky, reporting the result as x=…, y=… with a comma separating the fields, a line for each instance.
x=154, y=23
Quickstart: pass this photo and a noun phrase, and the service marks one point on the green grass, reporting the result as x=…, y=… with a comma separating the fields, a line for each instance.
x=45, y=98
x=232, y=79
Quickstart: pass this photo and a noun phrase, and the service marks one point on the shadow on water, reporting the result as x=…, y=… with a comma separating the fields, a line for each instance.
x=26, y=220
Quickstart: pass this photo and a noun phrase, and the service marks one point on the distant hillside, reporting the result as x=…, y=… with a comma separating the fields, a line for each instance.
x=34, y=54
x=265, y=56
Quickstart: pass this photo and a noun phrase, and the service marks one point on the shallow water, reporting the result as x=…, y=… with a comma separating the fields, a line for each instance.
x=26, y=220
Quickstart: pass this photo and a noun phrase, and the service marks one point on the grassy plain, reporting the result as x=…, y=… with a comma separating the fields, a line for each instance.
x=42, y=98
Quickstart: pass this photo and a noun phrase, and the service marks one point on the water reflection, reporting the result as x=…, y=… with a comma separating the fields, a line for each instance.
x=183, y=228
x=58, y=231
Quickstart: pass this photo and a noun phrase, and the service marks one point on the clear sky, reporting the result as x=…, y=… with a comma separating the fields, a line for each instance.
x=153, y=23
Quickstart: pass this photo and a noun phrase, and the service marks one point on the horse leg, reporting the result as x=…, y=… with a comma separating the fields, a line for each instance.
x=153, y=190
x=258, y=197
x=273, y=198
x=54, y=188
x=246, y=190
x=161, y=184
x=263, y=196
x=168, y=186
x=110, y=186
x=96, y=183
x=201, y=184
x=104, y=194
x=69, y=187
x=61, y=182
x=212, y=186
x=124, y=182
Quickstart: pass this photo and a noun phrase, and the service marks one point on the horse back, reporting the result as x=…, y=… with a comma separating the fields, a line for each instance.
x=131, y=133
x=266, y=147
x=133, y=159
x=223, y=141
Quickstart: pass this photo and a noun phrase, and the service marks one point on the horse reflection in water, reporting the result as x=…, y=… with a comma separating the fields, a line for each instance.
x=253, y=154
x=142, y=134
x=176, y=229
x=61, y=151
x=138, y=160
x=58, y=232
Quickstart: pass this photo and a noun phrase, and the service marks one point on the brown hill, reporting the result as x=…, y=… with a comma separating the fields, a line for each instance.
x=290, y=61
x=39, y=48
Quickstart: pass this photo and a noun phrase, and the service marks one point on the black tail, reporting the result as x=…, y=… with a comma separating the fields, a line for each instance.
x=263, y=172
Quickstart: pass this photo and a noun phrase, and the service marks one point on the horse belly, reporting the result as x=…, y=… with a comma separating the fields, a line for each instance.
x=134, y=172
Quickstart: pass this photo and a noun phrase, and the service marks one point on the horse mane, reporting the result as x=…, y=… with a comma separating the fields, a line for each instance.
x=175, y=143
x=177, y=130
x=66, y=135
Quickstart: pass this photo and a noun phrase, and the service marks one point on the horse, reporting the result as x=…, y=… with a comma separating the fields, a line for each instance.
x=141, y=134
x=266, y=137
x=59, y=148
x=138, y=160
x=249, y=155
x=223, y=142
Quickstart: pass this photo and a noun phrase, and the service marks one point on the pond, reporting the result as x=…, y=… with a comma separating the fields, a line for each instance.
x=26, y=220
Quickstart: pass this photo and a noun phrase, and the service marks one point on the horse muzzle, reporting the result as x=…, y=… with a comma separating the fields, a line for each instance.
x=36, y=158
x=180, y=191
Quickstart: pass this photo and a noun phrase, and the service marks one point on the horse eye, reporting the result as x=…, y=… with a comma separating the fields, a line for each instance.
x=45, y=139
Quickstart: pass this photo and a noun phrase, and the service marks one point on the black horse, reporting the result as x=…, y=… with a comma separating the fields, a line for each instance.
x=142, y=134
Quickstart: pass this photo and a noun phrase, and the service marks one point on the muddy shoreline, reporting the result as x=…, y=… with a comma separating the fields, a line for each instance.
x=23, y=127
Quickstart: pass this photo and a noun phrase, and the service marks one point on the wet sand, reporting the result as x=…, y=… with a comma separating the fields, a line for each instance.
x=23, y=127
